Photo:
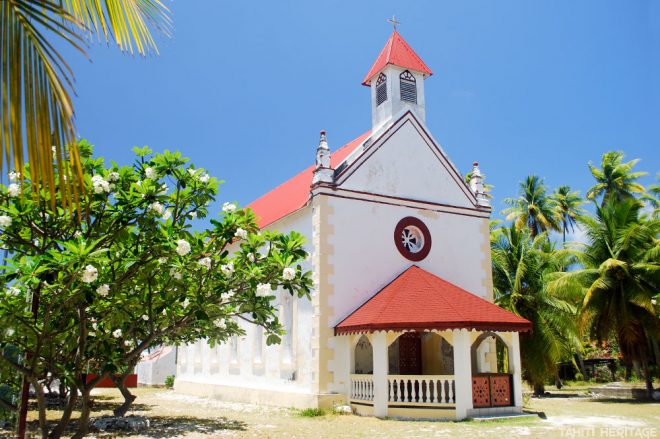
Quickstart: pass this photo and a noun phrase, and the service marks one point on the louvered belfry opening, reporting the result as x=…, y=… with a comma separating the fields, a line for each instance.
x=381, y=89
x=408, y=87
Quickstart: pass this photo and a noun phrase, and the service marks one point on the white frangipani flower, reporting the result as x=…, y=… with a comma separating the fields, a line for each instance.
x=14, y=176
x=145, y=317
x=220, y=323
x=192, y=215
x=228, y=207
x=288, y=273
x=167, y=215
x=205, y=262
x=227, y=269
x=103, y=290
x=241, y=233
x=89, y=274
x=204, y=178
x=100, y=185
x=162, y=260
x=5, y=221
x=186, y=303
x=251, y=257
x=263, y=290
x=113, y=176
x=13, y=190
x=227, y=296
x=182, y=247
x=150, y=173
x=157, y=208
x=77, y=234
x=116, y=333
x=175, y=273
x=192, y=171
x=13, y=291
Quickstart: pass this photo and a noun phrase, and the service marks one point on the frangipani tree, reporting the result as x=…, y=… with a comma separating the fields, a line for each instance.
x=132, y=273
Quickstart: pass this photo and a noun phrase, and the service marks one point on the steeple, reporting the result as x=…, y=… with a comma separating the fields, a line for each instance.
x=323, y=172
x=396, y=79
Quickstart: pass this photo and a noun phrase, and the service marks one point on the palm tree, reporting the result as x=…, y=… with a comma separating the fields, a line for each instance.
x=520, y=268
x=533, y=208
x=567, y=207
x=621, y=275
x=615, y=178
x=36, y=112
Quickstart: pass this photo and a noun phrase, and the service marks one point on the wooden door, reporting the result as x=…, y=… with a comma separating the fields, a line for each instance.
x=410, y=354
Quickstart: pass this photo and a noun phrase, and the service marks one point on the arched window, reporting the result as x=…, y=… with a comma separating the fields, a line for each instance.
x=381, y=89
x=408, y=87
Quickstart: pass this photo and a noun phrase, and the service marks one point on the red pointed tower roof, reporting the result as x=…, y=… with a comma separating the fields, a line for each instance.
x=398, y=53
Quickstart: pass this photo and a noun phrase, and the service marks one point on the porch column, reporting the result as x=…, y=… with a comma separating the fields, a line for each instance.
x=462, y=372
x=379, y=345
x=516, y=370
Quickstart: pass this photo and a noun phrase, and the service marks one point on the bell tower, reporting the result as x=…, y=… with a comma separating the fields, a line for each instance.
x=396, y=80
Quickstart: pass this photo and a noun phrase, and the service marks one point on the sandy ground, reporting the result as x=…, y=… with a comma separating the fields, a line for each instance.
x=181, y=416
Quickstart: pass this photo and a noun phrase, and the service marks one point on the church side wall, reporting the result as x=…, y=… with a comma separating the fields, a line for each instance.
x=244, y=369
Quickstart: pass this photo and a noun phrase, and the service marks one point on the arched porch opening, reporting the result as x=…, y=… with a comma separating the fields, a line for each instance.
x=490, y=354
x=491, y=371
x=364, y=356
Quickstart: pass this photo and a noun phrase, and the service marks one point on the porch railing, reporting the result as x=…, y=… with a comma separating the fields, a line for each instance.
x=362, y=387
x=421, y=389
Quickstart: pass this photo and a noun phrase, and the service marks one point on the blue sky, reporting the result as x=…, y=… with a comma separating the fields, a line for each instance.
x=243, y=88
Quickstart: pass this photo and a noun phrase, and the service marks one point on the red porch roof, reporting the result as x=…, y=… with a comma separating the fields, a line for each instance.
x=418, y=300
x=397, y=52
x=294, y=193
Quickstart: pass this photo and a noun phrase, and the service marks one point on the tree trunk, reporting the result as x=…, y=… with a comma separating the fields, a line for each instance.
x=638, y=369
x=66, y=415
x=558, y=383
x=41, y=404
x=656, y=351
x=128, y=396
x=539, y=389
x=583, y=370
x=83, y=422
x=649, y=380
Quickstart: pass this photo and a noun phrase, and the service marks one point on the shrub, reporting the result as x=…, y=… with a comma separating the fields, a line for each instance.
x=169, y=382
x=311, y=413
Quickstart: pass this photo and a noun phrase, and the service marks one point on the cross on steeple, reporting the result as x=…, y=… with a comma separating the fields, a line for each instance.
x=393, y=21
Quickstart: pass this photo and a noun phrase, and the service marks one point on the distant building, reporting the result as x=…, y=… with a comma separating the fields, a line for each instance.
x=401, y=322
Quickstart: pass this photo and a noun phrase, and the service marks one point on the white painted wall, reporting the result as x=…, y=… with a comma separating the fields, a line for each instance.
x=199, y=363
x=366, y=259
x=406, y=166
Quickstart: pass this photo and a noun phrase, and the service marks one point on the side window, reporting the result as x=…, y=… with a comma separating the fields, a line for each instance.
x=408, y=87
x=381, y=89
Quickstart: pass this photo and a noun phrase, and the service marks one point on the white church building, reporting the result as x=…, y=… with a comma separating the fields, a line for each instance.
x=401, y=322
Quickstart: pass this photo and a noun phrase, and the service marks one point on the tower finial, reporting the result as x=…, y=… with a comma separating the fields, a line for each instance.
x=393, y=22
x=477, y=185
x=323, y=172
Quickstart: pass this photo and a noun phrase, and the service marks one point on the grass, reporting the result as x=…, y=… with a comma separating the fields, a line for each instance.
x=311, y=413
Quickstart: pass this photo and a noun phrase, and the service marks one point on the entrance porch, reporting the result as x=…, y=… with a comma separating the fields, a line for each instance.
x=423, y=348
x=434, y=374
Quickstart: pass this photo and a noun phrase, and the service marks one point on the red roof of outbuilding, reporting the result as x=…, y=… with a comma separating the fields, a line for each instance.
x=418, y=300
x=397, y=52
x=294, y=193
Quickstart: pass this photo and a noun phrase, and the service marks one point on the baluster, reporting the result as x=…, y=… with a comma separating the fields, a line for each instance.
x=428, y=391
x=389, y=390
x=441, y=391
x=416, y=390
x=405, y=389
x=352, y=388
x=361, y=389
x=371, y=390
x=453, y=391
x=434, y=386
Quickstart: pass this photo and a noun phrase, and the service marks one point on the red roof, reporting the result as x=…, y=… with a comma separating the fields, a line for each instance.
x=294, y=193
x=418, y=300
x=397, y=52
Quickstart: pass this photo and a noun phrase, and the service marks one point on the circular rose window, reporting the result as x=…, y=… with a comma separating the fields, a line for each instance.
x=412, y=238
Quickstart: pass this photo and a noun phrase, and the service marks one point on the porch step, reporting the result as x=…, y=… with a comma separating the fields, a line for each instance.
x=497, y=416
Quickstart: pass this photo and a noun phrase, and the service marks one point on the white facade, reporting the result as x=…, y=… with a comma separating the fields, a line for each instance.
x=349, y=222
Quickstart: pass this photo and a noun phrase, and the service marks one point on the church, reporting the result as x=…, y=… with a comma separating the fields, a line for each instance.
x=401, y=321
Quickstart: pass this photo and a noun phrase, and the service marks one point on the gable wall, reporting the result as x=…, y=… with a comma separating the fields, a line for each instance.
x=409, y=166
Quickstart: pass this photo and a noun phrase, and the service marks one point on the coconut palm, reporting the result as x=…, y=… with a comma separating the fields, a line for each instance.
x=520, y=267
x=621, y=275
x=567, y=208
x=615, y=178
x=533, y=208
x=36, y=112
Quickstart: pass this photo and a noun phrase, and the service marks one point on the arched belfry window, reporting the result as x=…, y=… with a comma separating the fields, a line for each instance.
x=381, y=89
x=408, y=87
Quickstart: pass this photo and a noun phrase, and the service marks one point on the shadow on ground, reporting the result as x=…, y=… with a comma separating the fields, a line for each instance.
x=170, y=426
